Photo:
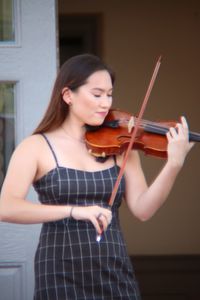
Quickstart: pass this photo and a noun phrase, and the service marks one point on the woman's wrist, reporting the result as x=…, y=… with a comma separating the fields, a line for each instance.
x=175, y=164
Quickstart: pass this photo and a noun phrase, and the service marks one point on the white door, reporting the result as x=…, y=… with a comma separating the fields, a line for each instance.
x=28, y=66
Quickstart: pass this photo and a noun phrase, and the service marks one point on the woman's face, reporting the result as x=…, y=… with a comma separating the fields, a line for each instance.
x=92, y=101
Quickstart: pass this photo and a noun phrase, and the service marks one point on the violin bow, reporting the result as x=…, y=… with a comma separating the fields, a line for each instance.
x=133, y=136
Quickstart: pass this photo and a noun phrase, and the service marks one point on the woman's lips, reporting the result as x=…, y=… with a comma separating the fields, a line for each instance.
x=102, y=114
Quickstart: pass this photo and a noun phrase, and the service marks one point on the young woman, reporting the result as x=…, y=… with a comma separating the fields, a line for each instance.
x=74, y=189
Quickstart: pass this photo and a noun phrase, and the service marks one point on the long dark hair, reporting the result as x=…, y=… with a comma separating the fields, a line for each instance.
x=73, y=74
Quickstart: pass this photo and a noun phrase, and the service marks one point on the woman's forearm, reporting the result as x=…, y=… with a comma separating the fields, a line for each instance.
x=24, y=212
x=155, y=195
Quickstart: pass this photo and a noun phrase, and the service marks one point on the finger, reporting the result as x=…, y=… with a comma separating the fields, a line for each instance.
x=184, y=122
x=102, y=219
x=108, y=215
x=185, y=125
x=180, y=130
x=173, y=132
x=168, y=135
x=97, y=225
x=103, y=222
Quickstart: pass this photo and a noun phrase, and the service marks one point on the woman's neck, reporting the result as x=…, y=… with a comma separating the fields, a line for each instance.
x=74, y=130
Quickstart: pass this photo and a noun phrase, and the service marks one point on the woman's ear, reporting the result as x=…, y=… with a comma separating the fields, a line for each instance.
x=66, y=95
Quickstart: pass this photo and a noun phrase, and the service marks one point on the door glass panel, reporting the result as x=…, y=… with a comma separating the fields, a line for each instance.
x=7, y=32
x=7, y=126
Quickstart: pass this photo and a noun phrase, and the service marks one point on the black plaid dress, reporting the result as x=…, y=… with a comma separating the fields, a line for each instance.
x=69, y=263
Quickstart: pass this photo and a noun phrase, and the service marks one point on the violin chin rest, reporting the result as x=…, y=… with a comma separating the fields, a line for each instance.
x=103, y=154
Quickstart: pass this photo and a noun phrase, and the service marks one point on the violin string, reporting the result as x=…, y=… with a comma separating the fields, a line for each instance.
x=161, y=129
x=151, y=124
x=155, y=126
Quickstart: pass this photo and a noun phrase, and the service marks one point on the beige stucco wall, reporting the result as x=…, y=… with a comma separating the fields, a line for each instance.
x=135, y=33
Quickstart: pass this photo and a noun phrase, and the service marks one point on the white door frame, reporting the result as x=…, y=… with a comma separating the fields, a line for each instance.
x=31, y=62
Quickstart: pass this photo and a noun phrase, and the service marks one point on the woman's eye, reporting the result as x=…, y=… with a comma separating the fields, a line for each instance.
x=99, y=95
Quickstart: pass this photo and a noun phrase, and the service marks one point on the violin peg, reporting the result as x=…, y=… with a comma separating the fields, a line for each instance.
x=130, y=124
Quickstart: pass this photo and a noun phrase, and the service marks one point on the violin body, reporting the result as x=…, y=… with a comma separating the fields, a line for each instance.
x=113, y=137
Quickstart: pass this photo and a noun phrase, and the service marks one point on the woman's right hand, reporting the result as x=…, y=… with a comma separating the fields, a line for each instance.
x=99, y=216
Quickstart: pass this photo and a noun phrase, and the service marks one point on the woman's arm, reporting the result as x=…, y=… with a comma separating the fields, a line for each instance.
x=21, y=173
x=144, y=201
x=15, y=208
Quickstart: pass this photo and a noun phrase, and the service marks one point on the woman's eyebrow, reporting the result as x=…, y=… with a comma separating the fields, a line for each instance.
x=102, y=90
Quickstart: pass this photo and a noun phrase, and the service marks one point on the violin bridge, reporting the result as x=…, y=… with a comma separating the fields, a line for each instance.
x=130, y=124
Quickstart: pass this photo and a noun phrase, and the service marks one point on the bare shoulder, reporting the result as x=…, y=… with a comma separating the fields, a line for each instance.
x=27, y=152
x=34, y=155
x=32, y=144
x=23, y=165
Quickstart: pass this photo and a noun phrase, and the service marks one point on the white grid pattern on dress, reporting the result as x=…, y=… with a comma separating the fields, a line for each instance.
x=69, y=263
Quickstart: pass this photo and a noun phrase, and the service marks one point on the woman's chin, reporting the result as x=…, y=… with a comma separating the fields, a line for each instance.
x=95, y=122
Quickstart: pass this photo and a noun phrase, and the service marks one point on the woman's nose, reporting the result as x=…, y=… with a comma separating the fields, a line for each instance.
x=106, y=101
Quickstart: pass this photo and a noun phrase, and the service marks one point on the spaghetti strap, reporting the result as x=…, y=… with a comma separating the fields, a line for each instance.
x=51, y=148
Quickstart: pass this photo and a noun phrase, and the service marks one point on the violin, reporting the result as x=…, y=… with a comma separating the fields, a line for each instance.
x=113, y=136
x=121, y=132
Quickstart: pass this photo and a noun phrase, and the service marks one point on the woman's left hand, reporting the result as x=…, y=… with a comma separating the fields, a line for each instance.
x=178, y=143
